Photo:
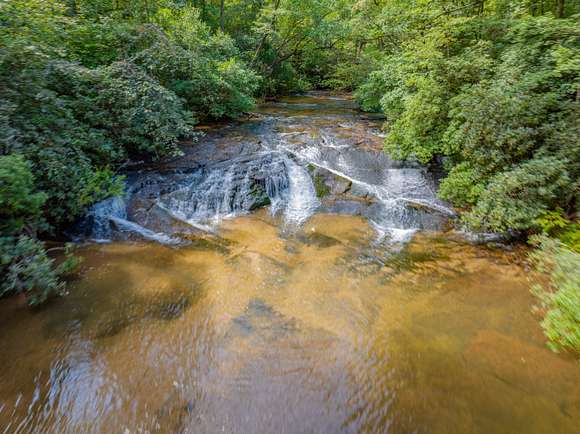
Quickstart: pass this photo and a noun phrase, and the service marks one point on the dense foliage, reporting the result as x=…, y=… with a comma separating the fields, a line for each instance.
x=560, y=295
x=493, y=88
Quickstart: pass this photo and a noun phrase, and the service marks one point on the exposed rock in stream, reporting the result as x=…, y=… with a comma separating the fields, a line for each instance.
x=296, y=158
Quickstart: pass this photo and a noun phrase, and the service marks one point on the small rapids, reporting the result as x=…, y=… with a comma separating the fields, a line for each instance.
x=226, y=190
x=108, y=219
x=239, y=186
x=271, y=165
x=302, y=201
x=403, y=193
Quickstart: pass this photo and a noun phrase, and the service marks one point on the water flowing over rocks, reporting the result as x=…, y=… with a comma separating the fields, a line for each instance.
x=298, y=156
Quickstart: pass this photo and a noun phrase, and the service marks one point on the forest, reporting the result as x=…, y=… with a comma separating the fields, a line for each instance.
x=485, y=90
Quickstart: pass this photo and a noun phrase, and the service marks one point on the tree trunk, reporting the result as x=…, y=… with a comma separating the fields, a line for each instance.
x=263, y=40
x=560, y=11
x=73, y=9
x=222, y=8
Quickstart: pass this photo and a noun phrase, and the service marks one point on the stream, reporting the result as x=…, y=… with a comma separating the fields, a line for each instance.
x=285, y=276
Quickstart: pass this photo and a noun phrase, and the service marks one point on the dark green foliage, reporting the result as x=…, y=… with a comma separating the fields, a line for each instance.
x=24, y=264
x=462, y=186
x=320, y=186
x=26, y=268
x=559, y=297
x=75, y=121
x=201, y=70
x=80, y=94
x=71, y=183
x=555, y=224
x=20, y=205
x=515, y=199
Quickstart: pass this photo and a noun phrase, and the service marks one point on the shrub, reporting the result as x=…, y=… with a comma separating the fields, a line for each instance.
x=498, y=96
x=560, y=297
x=20, y=205
x=463, y=186
x=71, y=183
x=517, y=198
x=370, y=93
x=26, y=268
x=207, y=76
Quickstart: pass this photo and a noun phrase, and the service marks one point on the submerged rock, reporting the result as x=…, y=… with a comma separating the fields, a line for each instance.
x=317, y=239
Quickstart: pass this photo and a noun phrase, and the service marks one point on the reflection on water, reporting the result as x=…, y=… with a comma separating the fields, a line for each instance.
x=321, y=330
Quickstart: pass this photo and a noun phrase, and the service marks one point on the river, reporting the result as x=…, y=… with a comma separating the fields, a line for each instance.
x=285, y=276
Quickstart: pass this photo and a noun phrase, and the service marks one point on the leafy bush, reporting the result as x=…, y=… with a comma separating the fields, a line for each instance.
x=371, y=91
x=560, y=298
x=26, y=268
x=515, y=199
x=72, y=123
x=463, y=186
x=65, y=127
x=207, y=75
x=554, y=224
x=20, y=205
x=24, y=264
x=71, y=183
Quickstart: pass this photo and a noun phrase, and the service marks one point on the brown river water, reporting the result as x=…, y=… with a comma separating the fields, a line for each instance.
x=321, y=326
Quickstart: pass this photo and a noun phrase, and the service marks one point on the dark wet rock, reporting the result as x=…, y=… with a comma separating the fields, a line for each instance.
x=261, y=321
x=317, y=239
x=259, y=197
x=424, y=218
x=329, y=182
x=241, y=185
x=148, y=214
x=338, y=185
x=373, y=116
x=169, y=309
x=359, y=191
x=113, y=327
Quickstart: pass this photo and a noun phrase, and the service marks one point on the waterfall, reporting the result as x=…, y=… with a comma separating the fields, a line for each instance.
x=265, y=165
x=107, y=219
x=302, y=199
x=401, y=190
x=242, y=185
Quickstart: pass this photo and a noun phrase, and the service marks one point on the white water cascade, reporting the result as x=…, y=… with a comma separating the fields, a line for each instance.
x=242, y=185
x=109, y=218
